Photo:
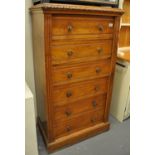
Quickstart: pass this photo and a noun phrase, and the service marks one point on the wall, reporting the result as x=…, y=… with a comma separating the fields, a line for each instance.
x=29, y=69
x=31, y=146
x=121, y=3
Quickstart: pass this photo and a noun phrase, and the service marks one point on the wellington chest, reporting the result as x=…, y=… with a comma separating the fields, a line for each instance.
x=75, y=51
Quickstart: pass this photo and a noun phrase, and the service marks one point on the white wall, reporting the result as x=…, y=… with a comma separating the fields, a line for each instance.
x=31, y=147
x=29, y=69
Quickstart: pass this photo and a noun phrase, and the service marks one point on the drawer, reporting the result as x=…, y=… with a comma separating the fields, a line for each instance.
x=75, y=91
x=69, y=111
x=77, y=123
x=81, y=52
x=81, y=71
x=79, y=25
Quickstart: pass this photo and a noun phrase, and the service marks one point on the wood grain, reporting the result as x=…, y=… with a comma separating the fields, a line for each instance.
x=75, y=25
x=48, y=93
x=73, y=39
x=124, y=39
x=69, y=110
x=126, y=16
x=114, y=58
x=81, y=52
x=51, y=7
x=78, y=136
x=72, y=73
x=72, y=92
x=40, y=68
x=60, y=28
x=75, y=124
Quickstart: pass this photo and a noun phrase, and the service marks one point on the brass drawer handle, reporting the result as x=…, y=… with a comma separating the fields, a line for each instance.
x=100, y=27
x=98, y=70
x=97, y=88
x=94, y=103
x=69, y=75
x=70, y=53
x=68, y=113
x=100, y=50
x=68, y=129
x=69, y=28
x=69, y=93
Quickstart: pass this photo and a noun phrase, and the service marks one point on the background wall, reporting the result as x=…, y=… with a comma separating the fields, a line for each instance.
x=29, y=69
x=31, y=146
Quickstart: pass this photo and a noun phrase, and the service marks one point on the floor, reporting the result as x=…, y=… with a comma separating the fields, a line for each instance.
x=116, y=141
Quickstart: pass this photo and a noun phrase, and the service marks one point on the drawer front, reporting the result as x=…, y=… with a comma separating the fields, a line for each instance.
x=68, y=111
x=77, y=123
x=81, y=71
x=76, y=25
x=81, y=52
x=72, y=92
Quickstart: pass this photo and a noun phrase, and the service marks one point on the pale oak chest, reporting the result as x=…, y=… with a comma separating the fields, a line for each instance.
x=74, y=58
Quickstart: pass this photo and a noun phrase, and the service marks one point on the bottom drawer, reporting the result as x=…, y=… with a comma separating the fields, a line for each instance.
x=79, y=122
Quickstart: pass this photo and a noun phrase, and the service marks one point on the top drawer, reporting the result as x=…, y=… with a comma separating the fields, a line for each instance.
x=75, y=25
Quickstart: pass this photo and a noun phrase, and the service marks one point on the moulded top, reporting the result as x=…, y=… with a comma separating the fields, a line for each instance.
x=58, y=6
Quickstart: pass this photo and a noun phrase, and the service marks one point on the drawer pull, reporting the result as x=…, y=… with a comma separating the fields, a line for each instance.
x=98, y=70
x=68, y=129
x=93, y=120
x=69, y=94
x=100, y=27
x=94, y=103
x=68, y=113
x=100, y=50
x=97, y=88
x=69, y=75
x=69, y=28
x=70, y=53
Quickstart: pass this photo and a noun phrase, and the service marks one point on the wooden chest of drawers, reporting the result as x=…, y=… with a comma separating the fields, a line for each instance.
x=74, y=58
